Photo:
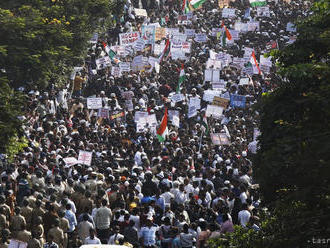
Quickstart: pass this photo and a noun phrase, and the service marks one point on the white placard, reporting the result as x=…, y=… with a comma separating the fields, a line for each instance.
x=192, y=111
x=94, y=102
x=128, y=38
x=139, y=44
x=70, y=161
x=228, y=13
x=200, y=38
x=85, y=157
x=189, y=32
x=210, y=94
x=141, y=12
x=195, y=101
x=103, y=62
x=177, y=98
x=263, y=11
x=214, y=111
x=125, y=66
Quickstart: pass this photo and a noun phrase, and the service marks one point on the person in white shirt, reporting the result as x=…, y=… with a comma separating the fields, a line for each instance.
x=115, y=237
x=244, y=215
x=92, y=239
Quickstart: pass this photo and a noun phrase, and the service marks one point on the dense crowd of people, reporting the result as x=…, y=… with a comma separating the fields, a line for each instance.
x=138, y=190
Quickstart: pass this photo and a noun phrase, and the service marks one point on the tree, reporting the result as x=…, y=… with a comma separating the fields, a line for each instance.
x=292, y=165
x=42, y=40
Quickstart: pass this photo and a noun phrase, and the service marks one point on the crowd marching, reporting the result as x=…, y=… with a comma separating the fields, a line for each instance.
x=151, y=143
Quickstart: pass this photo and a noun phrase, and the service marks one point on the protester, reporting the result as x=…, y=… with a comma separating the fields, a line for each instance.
x=152, y=143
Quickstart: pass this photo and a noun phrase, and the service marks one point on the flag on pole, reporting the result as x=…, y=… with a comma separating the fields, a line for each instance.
x=255, y=65
x=258, y=3
x=205, y=125
x=181, y=78
x=165, y=52
x=197, y=3
x=162, y=130
x=111, y=53
x=225, y=35
x=185, y=7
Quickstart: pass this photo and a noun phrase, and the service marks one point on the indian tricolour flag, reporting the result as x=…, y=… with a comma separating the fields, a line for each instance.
x=165, y=52
x=255, y=3
x=255, y=65
x=205, y=125
x=185, y=6
x=181, y=78
x=162, y=130
x=226, y=35
x=197, y=3
x=112, y=54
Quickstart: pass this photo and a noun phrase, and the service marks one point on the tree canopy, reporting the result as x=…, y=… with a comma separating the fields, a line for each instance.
x=42, y=40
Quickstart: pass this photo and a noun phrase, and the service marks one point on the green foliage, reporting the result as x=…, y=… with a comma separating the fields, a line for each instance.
x=11, y=105
x=41, y=40
x=293, y=163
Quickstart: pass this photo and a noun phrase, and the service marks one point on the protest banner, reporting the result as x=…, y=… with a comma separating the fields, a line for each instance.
x=85, y=157
x=139, y=45
x=237, y=101
x=291, y=27
x=94, y=102
x=141, y=12
x=244, y=81
x=160, y=33
x=195, y=101
x=116, y=116
x=115, y=71
x=219, y=85
x=148, y=34
x=179, y=37
x=177, y=98
x=174, y=116
x=103, y=62
x=214, y=111
x=140, y=115
x=263, y=11
x=125, y=66
x=219, y=101
x=128, y=38
x=200, y=38
x=158, y=49
x=103, y=113
x=70, y=161
x=228, y=13
x=220, y=139
x=192, y=111
x=189, y=32
x=210, y=94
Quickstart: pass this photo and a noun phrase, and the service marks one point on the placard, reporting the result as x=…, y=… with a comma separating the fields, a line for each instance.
x=70, y=161
x=195, y=101
x=189, y=32
x=116, y=116
x=192, y=111
x=200, y=38
x=291, y=27
x=141, y=12
x=244, y=81
x=128, y=38
x=214, y=111
x=139, y=45
x=228, y=13
x=125, y=66
x=160, y=33
x=210, y=94
x=220, y=139
x=103, y=113
x=94, y=102
x=263, y=12
x=85, y=157
x=237, y=101
x=219, y=101
x=115, y=71
x=103, y=62
x=177, y=98
x=149, y=34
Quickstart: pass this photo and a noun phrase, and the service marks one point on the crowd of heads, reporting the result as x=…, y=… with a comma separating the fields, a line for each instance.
x=137, y=190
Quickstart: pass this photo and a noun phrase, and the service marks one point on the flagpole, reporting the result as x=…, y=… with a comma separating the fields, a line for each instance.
x=200, y=142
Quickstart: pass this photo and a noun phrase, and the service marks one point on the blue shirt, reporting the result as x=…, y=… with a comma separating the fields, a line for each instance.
x=71, y=217
x=149, y=235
